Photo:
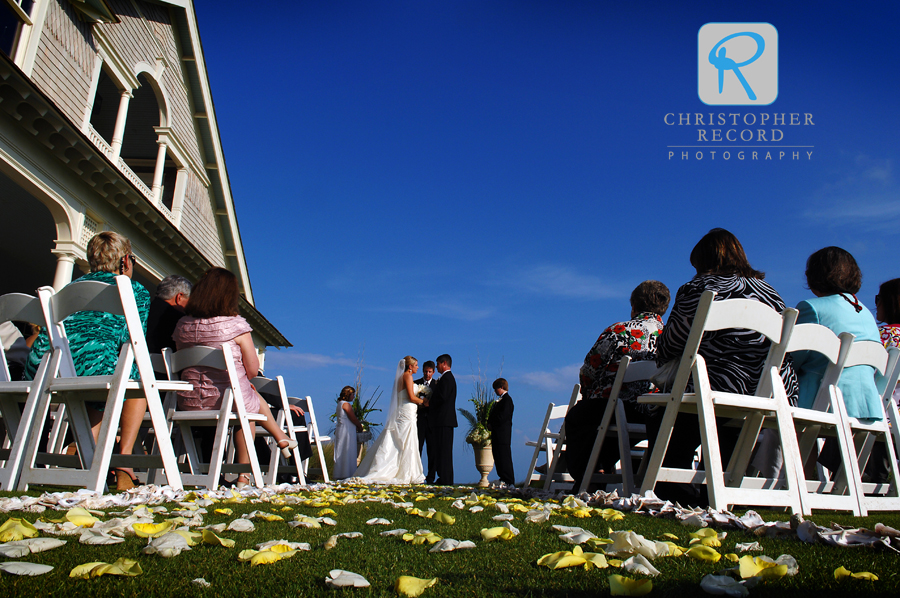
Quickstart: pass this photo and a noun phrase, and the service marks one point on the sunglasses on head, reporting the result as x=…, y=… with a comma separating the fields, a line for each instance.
x=122, y=263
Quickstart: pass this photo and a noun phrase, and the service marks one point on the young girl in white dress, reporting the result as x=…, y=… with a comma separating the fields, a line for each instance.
x=345, y=435
x=394, y=458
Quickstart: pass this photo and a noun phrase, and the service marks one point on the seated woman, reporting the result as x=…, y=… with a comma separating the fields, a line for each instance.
x=834, y=278
x=887, y=310
x=211, y=319
x=734, y=358
x=95, y=339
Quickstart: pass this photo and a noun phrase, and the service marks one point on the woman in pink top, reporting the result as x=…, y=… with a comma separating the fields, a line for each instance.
x=211, y=319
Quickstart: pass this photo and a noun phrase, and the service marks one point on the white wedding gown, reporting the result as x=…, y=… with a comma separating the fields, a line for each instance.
x=394, y=457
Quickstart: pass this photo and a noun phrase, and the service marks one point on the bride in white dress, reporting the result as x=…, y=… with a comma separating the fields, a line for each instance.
x=394, y=458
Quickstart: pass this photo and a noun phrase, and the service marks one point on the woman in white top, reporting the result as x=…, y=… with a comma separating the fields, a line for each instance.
x=345, y=435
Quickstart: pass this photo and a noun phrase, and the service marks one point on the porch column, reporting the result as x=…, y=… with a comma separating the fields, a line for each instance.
x=158, y=172
x=65, y=264
x=119, y=131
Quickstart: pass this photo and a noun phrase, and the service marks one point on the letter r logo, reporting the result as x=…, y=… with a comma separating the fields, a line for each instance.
x=737, y=64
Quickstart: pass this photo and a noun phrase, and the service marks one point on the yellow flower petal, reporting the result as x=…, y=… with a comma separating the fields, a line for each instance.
x=611, y=514
x=124, y=567
x=14, y=529
x=444, y=518
x=671, y=536
x=412, y=586
x=843, y=573
x=224, y=512
x=674, y=549
x=264, y=557
x=210, y=538
x=81, y=517
x=614, y=562
x=244, y=556
x=624, y=586
x=84, y=571
x=732, y=557
x=325, y=512
x=703, y=553
x=497, y=533
x=865, y=575
x=151, y=530
x=596, y=559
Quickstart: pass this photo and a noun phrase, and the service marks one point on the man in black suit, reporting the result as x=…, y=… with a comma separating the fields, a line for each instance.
x=442, y=420
x=500, y=424
x=422, y=420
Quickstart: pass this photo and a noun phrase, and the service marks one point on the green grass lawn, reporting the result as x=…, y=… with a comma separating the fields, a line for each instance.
x=500, y=568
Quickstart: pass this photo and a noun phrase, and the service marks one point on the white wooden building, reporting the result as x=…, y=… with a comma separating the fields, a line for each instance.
x=107, y=123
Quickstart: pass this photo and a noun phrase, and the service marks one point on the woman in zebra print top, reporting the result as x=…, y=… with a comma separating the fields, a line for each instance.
x=734, y=358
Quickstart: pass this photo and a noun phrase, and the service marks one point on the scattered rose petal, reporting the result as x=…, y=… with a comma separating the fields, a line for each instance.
x=123, y=567
x=201, y=582
x=338, y=578
x=704, y=553
x=639, y=564
x=241, y=525
x=16, y=529
x=723, y=585
x=624, y=586
x=211, y=538
x=745, y=546
x=31, y=569
x=412, y=586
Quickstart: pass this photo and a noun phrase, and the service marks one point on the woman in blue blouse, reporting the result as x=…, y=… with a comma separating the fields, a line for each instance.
x=834, y=278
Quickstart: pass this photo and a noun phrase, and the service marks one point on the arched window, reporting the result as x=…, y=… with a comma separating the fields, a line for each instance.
x=106, y=106
x=13, y=13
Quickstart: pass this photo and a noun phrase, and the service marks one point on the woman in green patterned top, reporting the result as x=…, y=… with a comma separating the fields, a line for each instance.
x=95, y=339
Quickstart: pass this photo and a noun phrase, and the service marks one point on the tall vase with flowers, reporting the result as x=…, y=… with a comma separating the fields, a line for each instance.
x=478, y=435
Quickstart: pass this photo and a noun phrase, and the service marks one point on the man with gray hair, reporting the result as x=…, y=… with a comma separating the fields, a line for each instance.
x=172, y=294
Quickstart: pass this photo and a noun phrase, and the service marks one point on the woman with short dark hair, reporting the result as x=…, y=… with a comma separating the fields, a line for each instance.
x=834, y=278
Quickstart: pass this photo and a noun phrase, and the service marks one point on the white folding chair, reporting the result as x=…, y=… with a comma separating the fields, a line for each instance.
x=16, y=306
x=864, y=433
x=231, y=413
x=825, y=413
x=551, y=443
x=708, y=404
x=315, y=438
x=629, y=371
x=66, y=387
x=285, y=422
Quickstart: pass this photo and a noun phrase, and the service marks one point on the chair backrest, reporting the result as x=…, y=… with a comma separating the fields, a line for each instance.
x=743, y=314
x=93, y=295
x=887, y=383
x=17, y=306
x=211, y=357
x=821, y=339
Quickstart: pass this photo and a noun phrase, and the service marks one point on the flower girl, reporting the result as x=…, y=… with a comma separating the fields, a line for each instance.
x=347, y=426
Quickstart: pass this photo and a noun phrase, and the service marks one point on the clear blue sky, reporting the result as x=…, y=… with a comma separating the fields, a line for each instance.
x=491, y=179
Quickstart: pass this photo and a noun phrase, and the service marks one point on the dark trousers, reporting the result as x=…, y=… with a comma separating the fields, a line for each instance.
x=680, y=453
x=504, y=463
x=427, y=442
x=443, y=449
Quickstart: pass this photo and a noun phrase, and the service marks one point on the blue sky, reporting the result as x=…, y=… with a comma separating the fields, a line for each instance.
x=491, y=179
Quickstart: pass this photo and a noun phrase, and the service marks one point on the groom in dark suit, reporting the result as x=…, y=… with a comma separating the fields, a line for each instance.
x=442, y=420
x=422, y=421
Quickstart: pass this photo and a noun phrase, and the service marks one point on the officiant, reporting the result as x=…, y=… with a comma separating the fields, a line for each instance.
x=428, y=380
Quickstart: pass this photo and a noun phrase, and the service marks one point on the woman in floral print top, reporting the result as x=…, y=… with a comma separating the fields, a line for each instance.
x=636, y=338
x=887, y=310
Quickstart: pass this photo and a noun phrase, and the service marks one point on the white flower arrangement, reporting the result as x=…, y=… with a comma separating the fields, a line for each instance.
x=423, y=391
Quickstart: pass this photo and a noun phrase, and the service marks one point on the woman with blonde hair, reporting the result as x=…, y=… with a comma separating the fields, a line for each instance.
x=95, y=339
x=395, y=456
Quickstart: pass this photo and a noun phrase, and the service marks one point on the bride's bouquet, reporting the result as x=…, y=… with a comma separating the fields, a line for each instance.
x=423, y=391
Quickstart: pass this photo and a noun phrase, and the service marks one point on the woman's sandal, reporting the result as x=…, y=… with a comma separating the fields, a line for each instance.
x=125, y=480
x=286, y=449
x=242, y=480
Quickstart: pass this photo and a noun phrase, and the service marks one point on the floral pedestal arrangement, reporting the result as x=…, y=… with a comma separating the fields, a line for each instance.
x=484, y=462
x=362, y=439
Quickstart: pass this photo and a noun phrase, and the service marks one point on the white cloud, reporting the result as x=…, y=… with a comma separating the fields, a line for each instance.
x=560, y=379
x=866, y=195
x=563, y=281
x=448, y=309
x=306, y=361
